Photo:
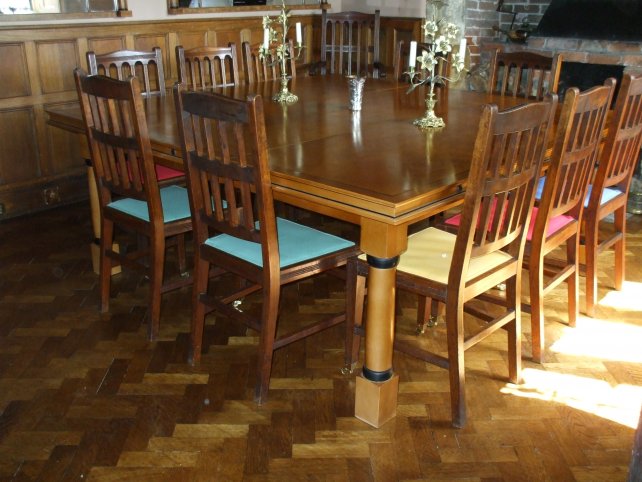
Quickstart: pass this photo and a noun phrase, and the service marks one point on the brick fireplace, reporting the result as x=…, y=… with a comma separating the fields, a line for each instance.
x=482, y=16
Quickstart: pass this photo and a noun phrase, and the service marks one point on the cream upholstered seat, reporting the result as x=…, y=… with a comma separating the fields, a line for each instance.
x=430, y=253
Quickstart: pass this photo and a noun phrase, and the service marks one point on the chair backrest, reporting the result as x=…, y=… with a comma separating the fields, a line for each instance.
x=350, y=43
x=225, y=152
x=508, y=155
x=147, y=66
x=575, y=153
x=402, y=52
x=259, y=70
x=203, y=67
x=121, y=154
x=523, y=74
x=622, y=146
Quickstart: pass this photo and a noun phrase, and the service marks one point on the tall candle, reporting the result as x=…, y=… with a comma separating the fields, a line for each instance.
x=266, y=38
x=462, y=47
x=412, y=58
x=299, y=34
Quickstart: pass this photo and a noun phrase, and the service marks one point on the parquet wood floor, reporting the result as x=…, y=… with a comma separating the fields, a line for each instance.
x=84, y=396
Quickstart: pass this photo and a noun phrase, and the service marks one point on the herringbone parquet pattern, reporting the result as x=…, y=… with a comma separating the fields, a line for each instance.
x=84, y=396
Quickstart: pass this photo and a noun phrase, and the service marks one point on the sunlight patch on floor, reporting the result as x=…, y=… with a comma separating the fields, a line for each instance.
x=629, y=298
x=620, y=404
x=603, y=339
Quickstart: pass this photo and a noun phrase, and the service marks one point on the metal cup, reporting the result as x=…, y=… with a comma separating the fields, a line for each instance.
x=355, y=88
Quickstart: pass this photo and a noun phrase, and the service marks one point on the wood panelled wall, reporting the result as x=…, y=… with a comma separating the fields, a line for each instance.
x=40, y=165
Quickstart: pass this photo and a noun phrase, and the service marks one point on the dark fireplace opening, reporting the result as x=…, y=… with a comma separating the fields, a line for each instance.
x=585, y=75
x=592, y=19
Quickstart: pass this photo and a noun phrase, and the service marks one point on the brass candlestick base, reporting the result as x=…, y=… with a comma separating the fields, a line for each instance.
x=285, y=96
x=430, y=119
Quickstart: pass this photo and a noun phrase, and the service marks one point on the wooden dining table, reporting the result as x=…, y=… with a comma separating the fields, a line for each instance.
x=371, y=167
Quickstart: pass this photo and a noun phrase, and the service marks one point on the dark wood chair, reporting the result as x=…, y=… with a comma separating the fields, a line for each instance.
x=128, y=192
x=523, y=74
x=487, y=249
x=553, y=239
x=147, y=66
x=609, y=191
x=350, y=43
x=203, y=67
x=258, y=70
x=236, y=230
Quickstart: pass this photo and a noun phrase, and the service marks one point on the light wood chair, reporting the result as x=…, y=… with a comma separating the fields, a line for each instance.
x=205, y=67
x=609, y=191
x=128, y=191
x=553, y=239
x=487, y=249
x=147, y=66
x=258, y=70
x=523, y=74
x=350, y=43
x=236, y=230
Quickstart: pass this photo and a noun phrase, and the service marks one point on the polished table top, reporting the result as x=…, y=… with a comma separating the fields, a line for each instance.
x=372, y=163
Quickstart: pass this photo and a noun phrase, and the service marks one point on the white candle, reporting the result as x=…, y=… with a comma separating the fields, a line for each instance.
x=299, y=34
x=412, y=58
x=462, y=47
x=266, y=38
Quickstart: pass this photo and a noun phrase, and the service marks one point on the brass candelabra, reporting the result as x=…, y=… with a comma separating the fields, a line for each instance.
x=440, y=35
x=276, y=50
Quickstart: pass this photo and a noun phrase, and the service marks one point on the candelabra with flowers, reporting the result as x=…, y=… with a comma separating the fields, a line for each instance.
x=440, y=36
x=276, y=50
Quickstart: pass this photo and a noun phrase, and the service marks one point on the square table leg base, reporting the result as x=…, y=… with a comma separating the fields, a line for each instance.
x=376, y=402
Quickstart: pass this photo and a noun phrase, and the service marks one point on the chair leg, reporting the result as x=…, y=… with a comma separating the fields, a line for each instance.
x=425, y=317
x=157, y=266
x=106, y=243
x=513, y=294
x=269, y=317
x=355, y=299
x=590, y=247
x=573, y=281
x=536, y=287
x=201, y=277
x=180, y=254
x=455, y=330
x=620, y=246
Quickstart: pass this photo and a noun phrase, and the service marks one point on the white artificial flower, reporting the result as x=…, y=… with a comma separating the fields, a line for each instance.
x=442, y=45
x=430, y=28
x=427, y=60
x=450, y=30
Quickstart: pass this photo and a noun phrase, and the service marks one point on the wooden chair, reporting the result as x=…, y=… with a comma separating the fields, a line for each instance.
x=486, y=251
x=258, y=70
x=203, y=67
x=350, y=43
x=402, y=52
x=557, y=217
x=235, y=227
x=147, y=66
x=523, y=74
x=128, y=191
x=609, y=191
